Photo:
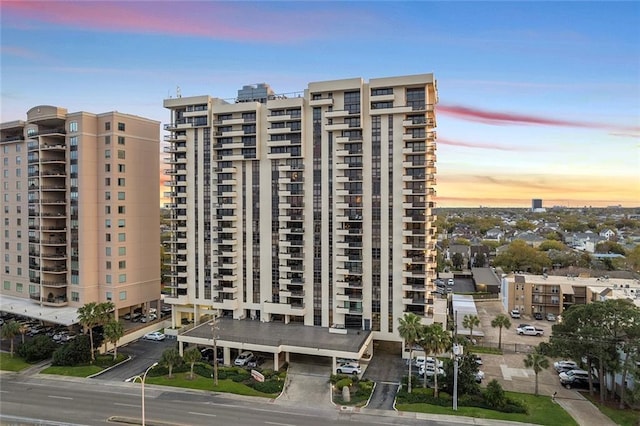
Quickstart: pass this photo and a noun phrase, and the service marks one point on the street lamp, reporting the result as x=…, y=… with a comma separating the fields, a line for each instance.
x=214, y=333
x=142, y=379
x=457, y=353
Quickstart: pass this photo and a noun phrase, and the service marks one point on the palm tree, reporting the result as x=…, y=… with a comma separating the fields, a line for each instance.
x=409, y=330
x=170, y=358
x=470, y=321
x=103, y=315
x=113, y=331
x=538, y=362
x=9, y=330
x=434, y=340
x=24, y=328
x=88, y=316
x=501, y=320
x=191, y=356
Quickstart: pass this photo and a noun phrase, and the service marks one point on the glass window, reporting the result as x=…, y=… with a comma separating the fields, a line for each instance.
x=107, y=181
x=108, y=239
x=120, y=181
x=121, y=168
x=107, y=279
x=121, y=195
x=121, y=154
x=107, y=265
x=120, y=140
x=122, y=278
x=122, y=237
x=121, y=127
x=122, y=264
x=123, y=295
x=7, y=285
x=107, y=153
x=19, y=287
x=120, y=223
x=73, y=126
x=121, y=210
x=107, y=168
x=107, y=223
x=73, y=141
x=107, y=140
x=107, y=125
x=107, y=195
x=109, y=296
x=122, y=251
x=75, y=296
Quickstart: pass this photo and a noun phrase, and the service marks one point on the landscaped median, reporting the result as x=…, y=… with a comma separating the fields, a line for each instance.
x=12, y=363
x=357, y=391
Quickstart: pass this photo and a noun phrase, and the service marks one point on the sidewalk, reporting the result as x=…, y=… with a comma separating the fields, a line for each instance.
x=583, y=411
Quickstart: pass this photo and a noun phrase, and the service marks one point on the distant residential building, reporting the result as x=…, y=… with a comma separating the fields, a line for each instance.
x=310, y=210
x=495, y=234
x=553, y=294
x=80, y=212
x=536, y=206
x=531, y=238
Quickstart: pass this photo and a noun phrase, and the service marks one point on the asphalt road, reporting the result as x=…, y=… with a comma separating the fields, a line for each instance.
x=31, y=400
x=143, y=353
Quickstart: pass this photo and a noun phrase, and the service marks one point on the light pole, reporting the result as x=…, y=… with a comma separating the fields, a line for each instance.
x=214, y=333
x=142, y=379
x=457, y=353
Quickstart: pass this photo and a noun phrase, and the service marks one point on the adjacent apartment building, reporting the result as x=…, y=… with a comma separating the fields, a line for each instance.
x=80, y=212
x=309, y=209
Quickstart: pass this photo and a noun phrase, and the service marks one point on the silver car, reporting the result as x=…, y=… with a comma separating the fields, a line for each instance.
x=348, y=369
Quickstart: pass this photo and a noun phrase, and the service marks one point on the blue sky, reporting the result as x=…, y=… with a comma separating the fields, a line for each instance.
x=537, y=99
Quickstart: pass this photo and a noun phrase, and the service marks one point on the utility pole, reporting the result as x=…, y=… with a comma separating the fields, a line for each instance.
x=214, y=333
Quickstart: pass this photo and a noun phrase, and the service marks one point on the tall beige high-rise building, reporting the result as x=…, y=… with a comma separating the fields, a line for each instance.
x=80, y=212
x=312, y=208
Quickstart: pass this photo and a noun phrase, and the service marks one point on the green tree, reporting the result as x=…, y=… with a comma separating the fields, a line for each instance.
x=521, y=257
x=610, y=247
x=170, y=358
x=551, y=245
x=537, y=362
x=470, y=322
x=494, y=395
x=409, y=330
x=113, y=331
x=434, y=340
x=524, y=225
x=88, y=317
x=633, y=259
x=10, y=330
x=104, y=315
x=480, y=260
x=501, y=321
x=458, y=260
x=191, y=356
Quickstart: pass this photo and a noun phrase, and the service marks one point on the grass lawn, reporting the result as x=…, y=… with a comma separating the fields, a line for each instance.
x=627, y=417
x=540, y=411
x=183, y=380
x=7, y=363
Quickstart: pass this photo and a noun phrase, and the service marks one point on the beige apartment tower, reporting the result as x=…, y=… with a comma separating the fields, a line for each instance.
x=312, y=208
x=80, y=211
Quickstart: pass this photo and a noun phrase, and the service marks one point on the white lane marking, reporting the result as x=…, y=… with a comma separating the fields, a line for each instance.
x=202, y=414
x=279, y=424
x=59, y=397
x=126, y=405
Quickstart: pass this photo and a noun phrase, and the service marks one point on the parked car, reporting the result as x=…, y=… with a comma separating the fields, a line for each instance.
x=450, y=282
x=255, y=361
x=565, y=365
x=538, y=315
x=530, y=331
x=127, y=316
x=576, y=379
x=515, y=313
x=150, y=317
x=243, y=359
x=430, y=370
x=478, y=359
x=348, y=369
x=551, y=317
x=155, y=335
x=479, y=376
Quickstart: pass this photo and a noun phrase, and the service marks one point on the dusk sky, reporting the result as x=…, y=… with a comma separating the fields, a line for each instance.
x=537, y=99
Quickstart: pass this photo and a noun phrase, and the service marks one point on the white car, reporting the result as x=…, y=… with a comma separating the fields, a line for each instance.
x=420, y=361
x=430, y=370
x=156, y=335
x=450, y=282
x=348, y=369
x=565, y=365
x=515, y=313
x=479, y=376
x=243, y=359
x=150, y=317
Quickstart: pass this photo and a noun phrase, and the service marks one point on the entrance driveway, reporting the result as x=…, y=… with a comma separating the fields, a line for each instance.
x=307, y=385
x=386, y=368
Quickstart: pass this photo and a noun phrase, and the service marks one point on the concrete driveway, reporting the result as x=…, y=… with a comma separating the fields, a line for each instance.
x=307, y=386
x=386, y=369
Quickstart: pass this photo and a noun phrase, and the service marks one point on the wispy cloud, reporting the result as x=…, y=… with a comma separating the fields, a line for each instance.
x=481, y=145
x=507, y=118
x=220, y=20
x=20, y=52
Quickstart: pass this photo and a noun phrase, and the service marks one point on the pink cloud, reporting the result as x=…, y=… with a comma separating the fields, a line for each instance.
x=229, y=21
x=507, y=118
x=480, y=145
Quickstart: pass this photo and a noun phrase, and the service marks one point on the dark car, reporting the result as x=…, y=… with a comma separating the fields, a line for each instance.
x=577, y=379
x=538, y=315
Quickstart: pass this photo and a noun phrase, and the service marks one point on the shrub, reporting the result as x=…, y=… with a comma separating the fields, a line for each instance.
x=268, y=386
x=204, y=370
x=37, y=349
x=494, y=395
x=76, y=352
x=346, y=381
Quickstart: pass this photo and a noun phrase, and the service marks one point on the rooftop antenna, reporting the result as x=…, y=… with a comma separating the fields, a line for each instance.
x=178, y=92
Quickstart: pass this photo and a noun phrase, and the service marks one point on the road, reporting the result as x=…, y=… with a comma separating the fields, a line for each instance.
x=143, y=353
x=71, y=401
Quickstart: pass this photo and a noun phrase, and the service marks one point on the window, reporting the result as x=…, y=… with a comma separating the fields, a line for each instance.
x=122, y=264
x=121, y=168
x=107, y=279
x=120, y=223
x=19, y=287
x=107, y=153
x=120, y=181
x=108, y=265
x=107, y=251
x=122, y=295
x=18, y=160
x=122, y=237
x=107, y=181
x=7, y=285
x=122, y=251
x=120, y=140
x=32, y=289
x=107, y=223
x=122, y=278
x=121, y=195
x=73, y=126
x=107, y=126
x=107, y=140
x=121, y=209
x=121, y=127
x=109, y=296
x=121, y=154
x=107, y=209
x=107, y=238
x=75, y=296
x=107, y=195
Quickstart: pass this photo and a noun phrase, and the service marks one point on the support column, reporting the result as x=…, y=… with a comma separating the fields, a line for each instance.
x=276, y=363
x=226, y=354
x=181, y=348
